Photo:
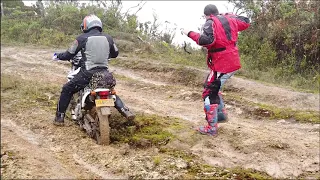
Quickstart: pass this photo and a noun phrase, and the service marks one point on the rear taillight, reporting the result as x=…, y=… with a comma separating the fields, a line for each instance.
x=104, y=94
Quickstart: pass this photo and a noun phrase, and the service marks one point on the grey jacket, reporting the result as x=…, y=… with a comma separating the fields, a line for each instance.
x=96, y=48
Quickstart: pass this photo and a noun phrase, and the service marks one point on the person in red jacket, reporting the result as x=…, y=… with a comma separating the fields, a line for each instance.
x=220, y=35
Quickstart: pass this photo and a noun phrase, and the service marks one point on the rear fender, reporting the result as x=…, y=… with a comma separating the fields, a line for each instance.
x=87, y=93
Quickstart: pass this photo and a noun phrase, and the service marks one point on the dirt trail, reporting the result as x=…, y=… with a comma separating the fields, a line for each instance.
x=251, y=90
x=36, y=162
x=280, y=148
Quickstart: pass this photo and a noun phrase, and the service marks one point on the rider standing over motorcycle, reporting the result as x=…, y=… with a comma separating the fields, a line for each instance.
x=96, y=48
x=220, y=35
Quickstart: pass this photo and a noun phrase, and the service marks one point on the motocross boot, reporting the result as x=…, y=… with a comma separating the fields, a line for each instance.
x=59, y=119
x=222, y=113
x=212, y=119
x=124, y=111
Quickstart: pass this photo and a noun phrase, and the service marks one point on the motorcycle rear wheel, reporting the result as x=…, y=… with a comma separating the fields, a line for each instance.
x=103, y=134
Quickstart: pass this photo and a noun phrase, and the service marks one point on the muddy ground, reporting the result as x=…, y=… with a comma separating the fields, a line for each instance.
x=31, y=147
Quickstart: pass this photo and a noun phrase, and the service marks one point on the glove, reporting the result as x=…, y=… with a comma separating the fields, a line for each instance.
x=55, y=57
x=183, y=31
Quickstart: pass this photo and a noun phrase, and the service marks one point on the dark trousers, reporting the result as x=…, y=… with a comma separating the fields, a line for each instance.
x=79, y=81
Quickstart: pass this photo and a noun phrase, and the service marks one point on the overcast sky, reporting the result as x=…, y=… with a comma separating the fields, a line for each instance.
x=185, y=14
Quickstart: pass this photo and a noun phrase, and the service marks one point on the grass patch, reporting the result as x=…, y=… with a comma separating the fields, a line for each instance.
x=241, y=173
x=26, y=93
x=307, y=83
x=197, y=169
x=273, y=112
x=144, y=131
x=157, y=160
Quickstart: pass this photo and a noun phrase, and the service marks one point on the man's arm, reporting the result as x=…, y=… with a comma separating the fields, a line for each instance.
x=243, y=22
x=206, y=38
x=114, y=52
x=71, y=52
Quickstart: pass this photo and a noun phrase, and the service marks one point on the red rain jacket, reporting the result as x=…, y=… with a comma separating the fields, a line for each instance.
x=220, y=37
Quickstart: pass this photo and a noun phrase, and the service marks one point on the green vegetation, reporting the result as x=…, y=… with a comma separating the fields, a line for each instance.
x=144, y=131
x=281, y=46
x=195, y=169
x=27, y=93
x=157, y=160
x=273, y=112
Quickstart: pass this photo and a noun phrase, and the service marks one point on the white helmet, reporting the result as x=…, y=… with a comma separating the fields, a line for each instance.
x=90, y=22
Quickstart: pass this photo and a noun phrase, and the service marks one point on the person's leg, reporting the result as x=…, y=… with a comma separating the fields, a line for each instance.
x=79, y=81
x=106, y=78
x=222, y=113
x=124, y=110
x=211, y=103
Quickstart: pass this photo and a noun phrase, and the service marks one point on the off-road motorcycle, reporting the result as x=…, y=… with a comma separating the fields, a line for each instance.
x=91, y=107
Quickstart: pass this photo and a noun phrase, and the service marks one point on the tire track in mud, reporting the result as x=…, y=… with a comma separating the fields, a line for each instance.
x=40, y=163
x=95, y=169
x=53, y=160
x=280, y=148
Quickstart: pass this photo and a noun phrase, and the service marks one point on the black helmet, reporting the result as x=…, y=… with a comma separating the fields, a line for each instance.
x=210, y=9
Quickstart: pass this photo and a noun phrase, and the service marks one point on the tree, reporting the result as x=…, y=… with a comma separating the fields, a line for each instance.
x=12, y=4
x=287, y=27
x=39, y=8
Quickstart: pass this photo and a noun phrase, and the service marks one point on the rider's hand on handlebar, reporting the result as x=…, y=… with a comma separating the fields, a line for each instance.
x=55, y=57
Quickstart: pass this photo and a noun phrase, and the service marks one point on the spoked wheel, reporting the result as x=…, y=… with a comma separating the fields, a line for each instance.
x=102, y=132
x=75, y=100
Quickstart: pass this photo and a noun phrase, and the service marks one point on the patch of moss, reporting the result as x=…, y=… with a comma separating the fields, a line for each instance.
x=177, y=126
x=187, y=156
x=273, y=112
x=197, y=169
x=242, y=173
x=309, y=175
x=205, y=171
x=287, y=113
x=143, y=131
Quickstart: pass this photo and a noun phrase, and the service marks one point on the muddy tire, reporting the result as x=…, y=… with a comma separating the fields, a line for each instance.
x=103, y=136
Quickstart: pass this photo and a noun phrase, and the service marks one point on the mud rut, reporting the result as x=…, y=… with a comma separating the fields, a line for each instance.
x=280, y=148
